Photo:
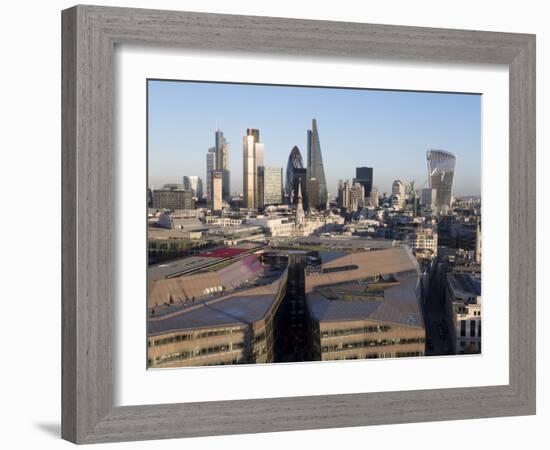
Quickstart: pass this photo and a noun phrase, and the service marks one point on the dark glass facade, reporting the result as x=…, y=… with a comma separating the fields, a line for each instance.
x=315, y=166
x=295, y=161
x=363, y=175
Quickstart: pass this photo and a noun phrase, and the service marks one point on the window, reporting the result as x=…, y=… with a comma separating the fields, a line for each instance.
x=479, y=328
x=472, y=328
x=463, y=328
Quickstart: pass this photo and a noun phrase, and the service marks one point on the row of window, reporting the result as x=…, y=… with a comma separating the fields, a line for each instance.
x=360, y=330
x=472, y=328
x=381, y=355
x=340, y=268
x=191, y=336
x=371, y=343
x=189, y=354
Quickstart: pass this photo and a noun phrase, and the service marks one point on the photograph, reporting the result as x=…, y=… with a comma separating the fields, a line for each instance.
x=290, y=224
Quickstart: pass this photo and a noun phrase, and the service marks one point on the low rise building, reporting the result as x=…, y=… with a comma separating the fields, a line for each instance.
x=463, y=303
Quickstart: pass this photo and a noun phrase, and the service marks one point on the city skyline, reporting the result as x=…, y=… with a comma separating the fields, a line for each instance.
x=394, y=141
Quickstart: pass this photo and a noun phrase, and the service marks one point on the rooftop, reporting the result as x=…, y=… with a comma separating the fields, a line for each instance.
x=465, y=284
x=235, y=309
x=340, y=291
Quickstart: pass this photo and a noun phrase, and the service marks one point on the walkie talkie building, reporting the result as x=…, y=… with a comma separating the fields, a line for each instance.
x=441, y=169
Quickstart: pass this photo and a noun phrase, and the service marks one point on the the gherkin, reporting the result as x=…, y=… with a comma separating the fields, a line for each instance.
x=295, y=161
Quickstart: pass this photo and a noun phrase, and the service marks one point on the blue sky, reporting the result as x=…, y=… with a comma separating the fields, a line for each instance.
x=387, y=130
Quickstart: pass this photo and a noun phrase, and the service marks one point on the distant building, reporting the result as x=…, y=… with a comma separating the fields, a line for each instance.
x=374, y=198
x=313, y=194
x=217, y=193
x=422, y=239
x=300, y=216
x=398, y=194
x=173, y=199
x=357, y=200
x=478, y=242
x=222, y=163
x=344, y=195
x=275, y=226
x=193, y=183
x=253, y=157
x=300, y=177
x=363, y=175
x=315, y=167
x=270, y=186
x=295, y=161
x=441, y=168
x=463, y=302
x=428, y=199
x=210, y=167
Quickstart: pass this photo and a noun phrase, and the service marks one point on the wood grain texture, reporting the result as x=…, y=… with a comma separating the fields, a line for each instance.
x=89, y=36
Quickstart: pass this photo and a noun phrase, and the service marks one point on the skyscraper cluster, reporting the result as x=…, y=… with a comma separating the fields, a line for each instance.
x=217, y=161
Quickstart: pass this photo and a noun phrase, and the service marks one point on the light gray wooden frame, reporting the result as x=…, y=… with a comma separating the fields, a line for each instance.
x=89, y=36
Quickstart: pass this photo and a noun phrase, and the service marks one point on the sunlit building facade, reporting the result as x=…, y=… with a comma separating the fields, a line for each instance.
x=441, y=169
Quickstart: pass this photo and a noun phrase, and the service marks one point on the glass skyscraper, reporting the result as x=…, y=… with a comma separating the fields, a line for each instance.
x=295, y=161
x=441, y=169
x=253, y=157
x=270, y=186
x=315, y=167
x=222, y=163
x=363, y=175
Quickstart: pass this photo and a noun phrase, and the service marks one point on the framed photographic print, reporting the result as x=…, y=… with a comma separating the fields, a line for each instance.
x=265, y=229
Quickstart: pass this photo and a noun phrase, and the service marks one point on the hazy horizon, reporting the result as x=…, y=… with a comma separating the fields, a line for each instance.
x=387, y=130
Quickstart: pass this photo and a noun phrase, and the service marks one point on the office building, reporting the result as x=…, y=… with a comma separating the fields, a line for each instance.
x=363, y=175
x=210, y=167
x=193, y=183
x=253, y=157
x=463, y=303
x=315, y=168
x=422, y=239
x=357, y=197
x=217, y=190
x=313, y=194
x=398, y=194
x=365, y=305
x=428, y=199
x=222, y=163
x=295, y=161
x=173, y=199
x=374, y=198
x=270, y=186
x=228, y=316
x=344, y=195
x=441, y=167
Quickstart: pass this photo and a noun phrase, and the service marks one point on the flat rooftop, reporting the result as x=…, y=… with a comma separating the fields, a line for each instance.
x=236, y=309
x=340, y=292
x=349, y=243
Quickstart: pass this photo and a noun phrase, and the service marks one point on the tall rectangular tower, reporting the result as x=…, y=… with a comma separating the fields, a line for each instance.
x=210, y=167
x=253, y=157
x=363, y=175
